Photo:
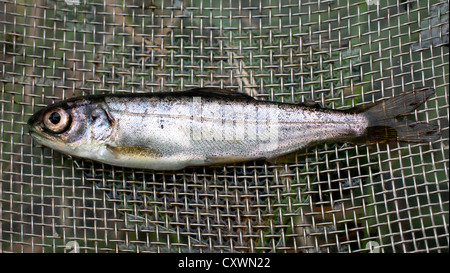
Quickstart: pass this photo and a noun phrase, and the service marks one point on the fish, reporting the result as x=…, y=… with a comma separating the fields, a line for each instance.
x=213, y=127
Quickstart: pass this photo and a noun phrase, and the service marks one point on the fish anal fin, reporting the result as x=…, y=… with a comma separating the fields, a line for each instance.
x=222, y=160
x=284, y=159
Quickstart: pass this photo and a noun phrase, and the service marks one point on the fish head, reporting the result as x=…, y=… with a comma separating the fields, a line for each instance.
x=75, y=126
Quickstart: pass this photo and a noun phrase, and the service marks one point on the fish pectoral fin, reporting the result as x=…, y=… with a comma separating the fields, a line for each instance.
x=217, y=92
x=133, y=150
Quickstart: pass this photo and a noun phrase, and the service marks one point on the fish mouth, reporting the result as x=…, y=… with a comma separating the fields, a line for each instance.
x=32, y=130
x=35, y=126
x=33, y=123
x=36, y=117
x=37, y=135
x=48, y=141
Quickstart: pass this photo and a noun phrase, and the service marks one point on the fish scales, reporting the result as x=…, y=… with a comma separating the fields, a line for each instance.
x=223, y=128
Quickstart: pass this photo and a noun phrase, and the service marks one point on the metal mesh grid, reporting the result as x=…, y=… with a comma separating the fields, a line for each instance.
x=333, y=198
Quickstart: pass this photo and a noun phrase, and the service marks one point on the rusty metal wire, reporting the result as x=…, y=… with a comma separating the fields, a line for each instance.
x=336, y=197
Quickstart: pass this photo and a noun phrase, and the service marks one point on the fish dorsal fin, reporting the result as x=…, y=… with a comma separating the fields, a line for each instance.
x=310, y=104
x=218, y=92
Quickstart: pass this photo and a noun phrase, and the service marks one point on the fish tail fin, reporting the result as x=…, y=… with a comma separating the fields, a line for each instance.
x=388, y=121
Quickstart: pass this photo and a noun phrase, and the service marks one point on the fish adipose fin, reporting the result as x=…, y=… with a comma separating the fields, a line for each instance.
x=388, y=121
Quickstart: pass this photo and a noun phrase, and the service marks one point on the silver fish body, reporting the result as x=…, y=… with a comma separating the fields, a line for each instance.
x=170, y=131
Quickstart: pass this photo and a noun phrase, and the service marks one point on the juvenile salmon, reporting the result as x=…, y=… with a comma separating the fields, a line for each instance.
x=209, y=126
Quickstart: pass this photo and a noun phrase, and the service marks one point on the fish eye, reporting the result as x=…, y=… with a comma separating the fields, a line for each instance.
x=56, y=120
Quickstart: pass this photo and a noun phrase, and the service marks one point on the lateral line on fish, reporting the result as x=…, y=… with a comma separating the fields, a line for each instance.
x=236, y=121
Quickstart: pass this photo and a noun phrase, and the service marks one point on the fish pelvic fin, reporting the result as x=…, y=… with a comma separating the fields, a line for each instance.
x=388, y=119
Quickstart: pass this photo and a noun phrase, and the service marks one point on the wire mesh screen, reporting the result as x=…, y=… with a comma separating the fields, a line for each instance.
x=334, y=197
